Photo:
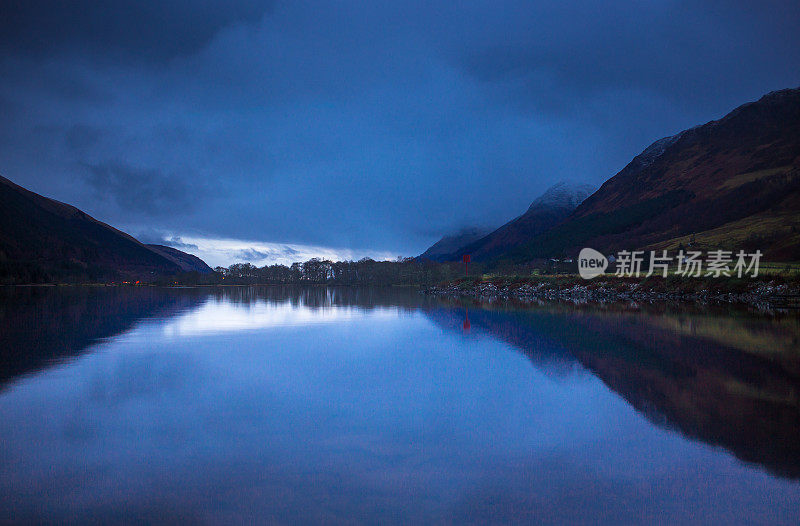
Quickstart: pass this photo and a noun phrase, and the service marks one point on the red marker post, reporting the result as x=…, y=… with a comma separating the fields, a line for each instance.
x=466, y=259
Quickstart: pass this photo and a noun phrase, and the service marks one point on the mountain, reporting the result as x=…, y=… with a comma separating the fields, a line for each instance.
x=445, y=247
x=187, y=262
x=43, y=240
x=546, y=211
x=733, y=183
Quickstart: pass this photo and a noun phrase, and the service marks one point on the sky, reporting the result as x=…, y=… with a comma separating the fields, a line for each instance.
x=269, y=131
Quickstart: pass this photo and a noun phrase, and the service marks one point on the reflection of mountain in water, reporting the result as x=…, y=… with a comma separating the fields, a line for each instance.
x=40, y=326
x=513, y=327
x=43, y=325
x=730, y=379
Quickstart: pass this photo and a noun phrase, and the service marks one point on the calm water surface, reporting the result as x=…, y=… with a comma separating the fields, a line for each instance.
x=280, y=405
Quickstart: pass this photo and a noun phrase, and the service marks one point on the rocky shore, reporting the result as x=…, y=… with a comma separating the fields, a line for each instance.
x=761, y=293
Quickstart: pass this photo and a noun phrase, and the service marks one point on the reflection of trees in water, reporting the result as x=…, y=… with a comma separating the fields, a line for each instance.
x=43, y=325
x=728, y=378
x=318, y=296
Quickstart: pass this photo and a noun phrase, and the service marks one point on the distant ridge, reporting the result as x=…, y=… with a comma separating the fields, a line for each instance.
x=187, y=262
x=43, y=240
x=448, y=245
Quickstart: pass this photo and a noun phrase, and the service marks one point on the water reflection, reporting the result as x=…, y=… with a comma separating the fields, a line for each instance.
x=220, y=316
x=40, y=326
x=725, y=376
x=294, y=405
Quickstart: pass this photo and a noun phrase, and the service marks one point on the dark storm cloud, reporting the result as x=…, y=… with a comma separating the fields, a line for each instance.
x=80, y=137
x=687, y=52
x=134, y=28
x=361, y=124
x=142, y=190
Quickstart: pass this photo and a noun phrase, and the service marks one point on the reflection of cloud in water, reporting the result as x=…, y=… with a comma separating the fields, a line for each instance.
x=223, y=316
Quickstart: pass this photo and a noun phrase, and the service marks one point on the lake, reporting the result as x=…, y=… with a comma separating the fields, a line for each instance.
x=305, y=405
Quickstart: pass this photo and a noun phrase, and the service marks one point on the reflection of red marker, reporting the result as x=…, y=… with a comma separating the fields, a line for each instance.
x=466, y=259
x=466, y=320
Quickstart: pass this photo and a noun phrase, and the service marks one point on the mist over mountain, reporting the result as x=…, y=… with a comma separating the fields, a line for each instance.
x=733, y=183
x=546, y=211
x=450, y=244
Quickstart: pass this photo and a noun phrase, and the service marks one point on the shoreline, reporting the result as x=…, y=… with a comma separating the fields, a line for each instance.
x=767, y=292
x=762, y=293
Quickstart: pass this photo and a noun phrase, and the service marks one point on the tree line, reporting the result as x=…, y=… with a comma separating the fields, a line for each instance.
x=402, y=271
x=407, y=271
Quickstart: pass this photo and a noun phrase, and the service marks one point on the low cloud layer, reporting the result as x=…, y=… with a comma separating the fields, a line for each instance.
x=224, y=252
x=360, y=124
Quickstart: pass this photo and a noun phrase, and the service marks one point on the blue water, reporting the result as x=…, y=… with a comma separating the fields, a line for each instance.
x=314, y=405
